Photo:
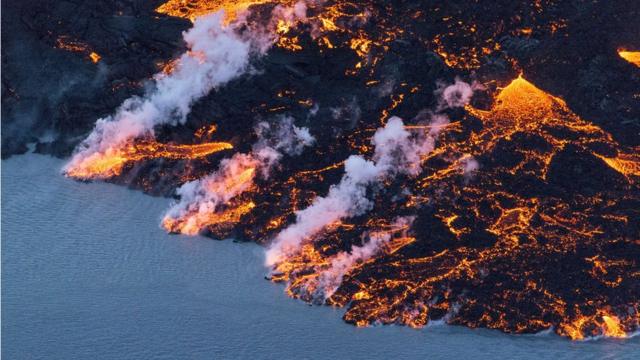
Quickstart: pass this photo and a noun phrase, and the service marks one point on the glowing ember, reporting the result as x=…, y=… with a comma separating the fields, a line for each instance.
x=631, y=56
x=94, y=57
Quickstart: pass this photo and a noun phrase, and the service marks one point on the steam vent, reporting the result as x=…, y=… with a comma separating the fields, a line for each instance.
x=475, y=163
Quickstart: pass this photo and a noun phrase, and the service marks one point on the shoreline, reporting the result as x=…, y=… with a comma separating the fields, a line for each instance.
x=91, y=262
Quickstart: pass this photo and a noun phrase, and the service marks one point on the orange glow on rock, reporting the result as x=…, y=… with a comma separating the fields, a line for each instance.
x=393, y=287
x=601, y=324
x=94, y=57
x=630, y=56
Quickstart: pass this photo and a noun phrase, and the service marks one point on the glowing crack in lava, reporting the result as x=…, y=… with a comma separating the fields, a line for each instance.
x=480, y=255
x=519, y=215
x=65, y=43
x=110, y=162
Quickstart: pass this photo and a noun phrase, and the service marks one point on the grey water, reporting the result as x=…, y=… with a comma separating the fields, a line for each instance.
x=88, y=274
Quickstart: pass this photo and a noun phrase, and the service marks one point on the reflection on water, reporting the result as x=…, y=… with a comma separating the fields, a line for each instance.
x=87, y=271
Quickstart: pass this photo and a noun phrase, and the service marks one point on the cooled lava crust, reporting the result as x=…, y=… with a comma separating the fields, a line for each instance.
x=545, y=233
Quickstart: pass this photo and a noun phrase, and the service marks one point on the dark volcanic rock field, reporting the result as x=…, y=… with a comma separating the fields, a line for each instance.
x=545, y=232
x=52, y=96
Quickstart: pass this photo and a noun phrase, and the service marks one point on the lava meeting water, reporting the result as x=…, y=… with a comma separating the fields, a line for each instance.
x=87, y=272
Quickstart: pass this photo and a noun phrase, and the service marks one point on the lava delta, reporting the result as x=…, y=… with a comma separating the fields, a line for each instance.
x=471, y=162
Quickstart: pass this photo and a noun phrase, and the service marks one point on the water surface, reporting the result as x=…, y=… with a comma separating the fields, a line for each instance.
x=88, y=273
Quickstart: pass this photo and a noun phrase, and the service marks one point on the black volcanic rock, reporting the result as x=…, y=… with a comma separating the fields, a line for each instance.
x=542, y=233
x=55, y=94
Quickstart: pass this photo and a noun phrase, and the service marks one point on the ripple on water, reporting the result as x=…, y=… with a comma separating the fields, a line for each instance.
x=87, y=271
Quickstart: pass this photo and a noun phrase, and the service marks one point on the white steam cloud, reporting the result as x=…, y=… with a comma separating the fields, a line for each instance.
x=202, y=198
x=396, y=151
x=457, y=94
x=469, y=166
x=218, y=53
x=329, y=279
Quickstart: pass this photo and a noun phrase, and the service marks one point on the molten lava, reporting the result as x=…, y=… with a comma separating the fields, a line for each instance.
x=205, y=215
x=631, y=56
x=102, y=165
x=94, y=57
x=197, y=221
x=191, y=9
x=600, y=324
x=69, y=44
x=495, y=259
x=523, y=218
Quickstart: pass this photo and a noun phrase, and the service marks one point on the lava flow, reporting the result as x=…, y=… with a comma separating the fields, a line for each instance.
x=102, y=165
x=234, y=181
x=191, y=9
x=67, y=44
x=484, y=255
x=398, y=165
x=631, y=56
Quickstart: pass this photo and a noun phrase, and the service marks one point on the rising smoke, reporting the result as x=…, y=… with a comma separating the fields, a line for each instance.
x=201, y=199
x=396, y=151
x=330, y=278
x=457, y=94
x=217, y=53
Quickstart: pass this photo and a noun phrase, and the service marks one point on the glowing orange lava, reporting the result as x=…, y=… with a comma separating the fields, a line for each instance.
x=101, y=165
x=94, y=57
x=205, y=215
x=631, y=56
x=191, y=9
x=538, y=234
x=406, y=284
x=197, y=221
x=603, y=323
x=66, y=43
x=522, y=107
x=626, y=164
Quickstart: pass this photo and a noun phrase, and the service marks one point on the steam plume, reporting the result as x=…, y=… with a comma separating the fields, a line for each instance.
x=457, y=94
x=201, y=199
x=330, y=279
x=469, y=166
x=218, y=53
x=396, y=151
